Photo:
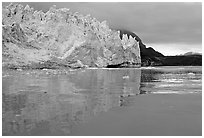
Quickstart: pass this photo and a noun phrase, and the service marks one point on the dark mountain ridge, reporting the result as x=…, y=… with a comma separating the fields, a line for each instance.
x=191, y=53
x=150, y=57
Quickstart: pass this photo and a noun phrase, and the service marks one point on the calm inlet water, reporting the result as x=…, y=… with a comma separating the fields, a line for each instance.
x=51, y=102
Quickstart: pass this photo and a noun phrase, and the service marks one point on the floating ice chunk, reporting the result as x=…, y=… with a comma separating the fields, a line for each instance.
x=172, y=80
x=126, y=77
x=19, y=70
x=191, y=73
x=168, y=92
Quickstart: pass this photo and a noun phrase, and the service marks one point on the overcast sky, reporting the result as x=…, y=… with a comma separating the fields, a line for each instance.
x=170, y=28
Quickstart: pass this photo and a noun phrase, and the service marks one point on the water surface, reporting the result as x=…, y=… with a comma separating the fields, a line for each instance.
x=51, y=102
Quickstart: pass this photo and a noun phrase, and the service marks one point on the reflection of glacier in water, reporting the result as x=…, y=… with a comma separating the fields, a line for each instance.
x=36, y=104
x=43, y=103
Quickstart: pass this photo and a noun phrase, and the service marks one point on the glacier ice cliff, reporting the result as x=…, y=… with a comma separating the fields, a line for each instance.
x=60, y=38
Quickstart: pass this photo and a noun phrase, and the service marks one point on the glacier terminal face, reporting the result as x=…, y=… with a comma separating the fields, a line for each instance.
x=59, y=38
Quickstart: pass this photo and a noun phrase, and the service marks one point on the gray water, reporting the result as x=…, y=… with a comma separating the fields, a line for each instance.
x=52, y=102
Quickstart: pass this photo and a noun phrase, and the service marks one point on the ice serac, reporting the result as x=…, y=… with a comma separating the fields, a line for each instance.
x=34, y=39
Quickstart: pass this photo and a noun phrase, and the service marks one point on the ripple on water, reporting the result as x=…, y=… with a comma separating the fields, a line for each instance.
x=175, y=92
x=173, y=80
x=63, y=100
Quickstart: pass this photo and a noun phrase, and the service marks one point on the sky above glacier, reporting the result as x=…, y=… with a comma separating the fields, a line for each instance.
x=170, y=28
